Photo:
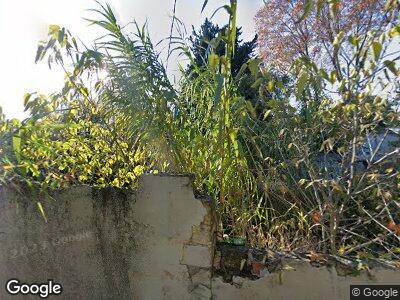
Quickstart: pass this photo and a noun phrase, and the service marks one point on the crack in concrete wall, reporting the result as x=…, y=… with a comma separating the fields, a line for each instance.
x=198, y=253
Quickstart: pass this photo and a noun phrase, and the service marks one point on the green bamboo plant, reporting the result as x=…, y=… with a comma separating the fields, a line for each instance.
x=197, y=123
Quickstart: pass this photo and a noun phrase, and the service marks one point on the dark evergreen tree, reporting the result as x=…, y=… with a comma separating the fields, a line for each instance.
x=250, y=86
x=200, y=45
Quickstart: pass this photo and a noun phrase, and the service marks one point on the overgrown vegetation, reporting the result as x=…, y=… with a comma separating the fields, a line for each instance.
x=302, y=163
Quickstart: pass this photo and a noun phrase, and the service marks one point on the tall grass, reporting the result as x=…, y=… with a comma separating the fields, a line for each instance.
x=199, y=122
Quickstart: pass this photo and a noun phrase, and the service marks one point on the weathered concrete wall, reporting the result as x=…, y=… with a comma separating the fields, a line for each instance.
x=175, y=241
x=110, y=244
x=154, y=243
x=300, y=281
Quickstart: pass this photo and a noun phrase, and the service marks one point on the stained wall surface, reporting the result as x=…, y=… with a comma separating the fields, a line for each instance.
x=154, y=243
x=301, y=281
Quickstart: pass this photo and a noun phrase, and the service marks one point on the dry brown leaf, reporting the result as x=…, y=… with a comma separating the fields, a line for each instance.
x=317, y=257
x=316, y=217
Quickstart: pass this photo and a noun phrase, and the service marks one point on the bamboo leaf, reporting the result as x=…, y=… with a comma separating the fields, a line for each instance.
x=267, y=114
x=218, y=91
x=40, y=53
x=204, y=5
x=40, y=207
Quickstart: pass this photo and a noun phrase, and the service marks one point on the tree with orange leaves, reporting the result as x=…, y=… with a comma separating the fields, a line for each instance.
x=284, y=35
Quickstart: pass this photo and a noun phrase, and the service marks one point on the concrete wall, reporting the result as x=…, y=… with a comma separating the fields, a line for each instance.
x=301, y=281
x=174, y=235
x=155, y=243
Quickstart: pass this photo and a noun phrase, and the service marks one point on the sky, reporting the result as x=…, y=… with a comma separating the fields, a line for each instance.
x=23, y=23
